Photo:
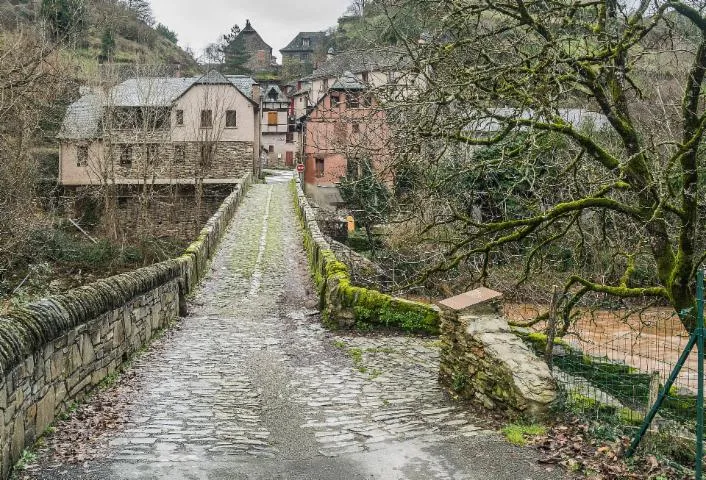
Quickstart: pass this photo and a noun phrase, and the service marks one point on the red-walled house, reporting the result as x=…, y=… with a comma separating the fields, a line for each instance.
x=344, y=124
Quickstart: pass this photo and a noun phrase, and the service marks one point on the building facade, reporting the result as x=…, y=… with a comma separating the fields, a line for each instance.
x=162, y=131
x=344, y=128
x=260, y=53
x=280, y=143
x=306, y=52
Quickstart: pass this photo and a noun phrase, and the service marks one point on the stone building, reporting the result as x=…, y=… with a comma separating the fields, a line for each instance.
x=304, y=54
x=167, y=130
x=261, y=59
x=177, y=141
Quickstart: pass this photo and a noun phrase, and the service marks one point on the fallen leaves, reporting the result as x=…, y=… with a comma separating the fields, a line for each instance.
x=572, y=446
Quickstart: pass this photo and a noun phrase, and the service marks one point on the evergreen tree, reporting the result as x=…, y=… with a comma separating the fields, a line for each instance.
x=142, y=9
x=64, y=18
x=166, y=33
x=236, y=56
x=107, y=45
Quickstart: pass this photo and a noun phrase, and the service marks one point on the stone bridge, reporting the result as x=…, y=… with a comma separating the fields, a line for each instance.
x=249, y=384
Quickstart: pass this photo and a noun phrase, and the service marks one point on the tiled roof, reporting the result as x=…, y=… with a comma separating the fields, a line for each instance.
x=297, y=44
x=149, y=91
x=355, y=61
x=242, y=83
x=82, y=119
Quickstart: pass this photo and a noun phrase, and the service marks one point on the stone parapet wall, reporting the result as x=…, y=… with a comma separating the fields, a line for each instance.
x=483, y=361
x=56, y=350
x=347, y=304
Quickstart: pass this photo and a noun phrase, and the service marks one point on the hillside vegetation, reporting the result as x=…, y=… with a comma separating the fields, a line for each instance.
x=48, y=49
x=134, y=38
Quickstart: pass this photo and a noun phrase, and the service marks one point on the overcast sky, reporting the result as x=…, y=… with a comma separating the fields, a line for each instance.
x=200, y=22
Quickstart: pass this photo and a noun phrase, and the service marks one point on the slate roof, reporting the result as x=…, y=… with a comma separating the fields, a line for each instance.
x=149, y=92
x=297, y=44
x=355, y=61
x=576, y=117
x=347, y=82
x=243, y=83
x=280, y=96
x=82, y=119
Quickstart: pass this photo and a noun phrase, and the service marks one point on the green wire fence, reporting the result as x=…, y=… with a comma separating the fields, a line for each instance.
x=635, y=374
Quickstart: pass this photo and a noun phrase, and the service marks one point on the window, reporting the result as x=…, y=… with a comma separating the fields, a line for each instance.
x=126, y=155
x=365, y=76
x=231, y=119
x=306, y=42
x=367, y=100
x=271, y=149
x=272, y=119
x=305, y=56
x=207, y=152
x=180, y=153
x=290, y=137
x=82, y=156
x=152, y=153
x=319, y=167
x=206, y=118
x=180, y=117
x=356, y=127
x=353, y=100
x=335, y=101
x=325, y=84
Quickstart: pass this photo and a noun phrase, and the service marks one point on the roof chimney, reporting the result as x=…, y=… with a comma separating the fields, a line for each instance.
x=331, y=53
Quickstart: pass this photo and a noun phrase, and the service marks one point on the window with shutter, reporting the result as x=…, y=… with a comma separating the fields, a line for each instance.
x=272, y=119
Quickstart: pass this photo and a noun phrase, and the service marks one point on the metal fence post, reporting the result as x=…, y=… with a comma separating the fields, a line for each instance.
x=700, y=396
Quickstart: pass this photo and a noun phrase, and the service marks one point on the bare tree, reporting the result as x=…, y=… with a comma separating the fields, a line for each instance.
x=495, y=80
x=33, y=77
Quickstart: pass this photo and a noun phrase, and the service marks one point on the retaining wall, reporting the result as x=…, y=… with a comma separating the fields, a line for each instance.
x=349, y=305
x=55, y=351
x=484, y=362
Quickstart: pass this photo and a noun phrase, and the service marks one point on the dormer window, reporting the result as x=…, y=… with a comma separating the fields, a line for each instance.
x=306, y=42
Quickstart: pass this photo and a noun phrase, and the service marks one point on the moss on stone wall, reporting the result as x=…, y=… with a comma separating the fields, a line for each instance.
x=26, y=332
x=348, y=304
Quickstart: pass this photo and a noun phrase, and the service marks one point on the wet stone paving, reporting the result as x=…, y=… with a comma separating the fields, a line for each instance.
x=251, y=385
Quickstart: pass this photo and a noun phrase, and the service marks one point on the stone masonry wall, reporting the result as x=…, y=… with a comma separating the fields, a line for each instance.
x=56, y=350
x=484, y=362
x=229, y=160
x=175, y=216
x=347, y=304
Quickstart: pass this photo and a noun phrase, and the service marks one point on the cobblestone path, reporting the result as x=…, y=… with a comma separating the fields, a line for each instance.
x=250, y=385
